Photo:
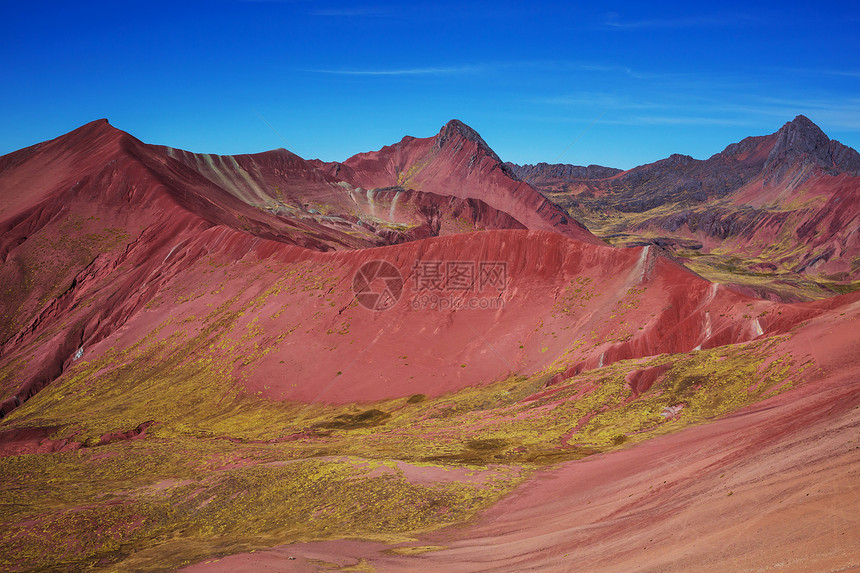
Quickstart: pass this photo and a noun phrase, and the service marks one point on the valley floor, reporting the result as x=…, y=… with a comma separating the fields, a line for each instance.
x=771, y=488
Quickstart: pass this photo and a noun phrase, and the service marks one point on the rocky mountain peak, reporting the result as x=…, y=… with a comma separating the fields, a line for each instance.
x=800, y=136
x=455, y=130
x=800, y=142
x=677, y=159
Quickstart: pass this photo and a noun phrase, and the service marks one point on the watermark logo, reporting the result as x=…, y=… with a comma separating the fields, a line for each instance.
x=446, y=285
x=377, y=285
x=436, y=301
x=435, y=285
x=458, y=276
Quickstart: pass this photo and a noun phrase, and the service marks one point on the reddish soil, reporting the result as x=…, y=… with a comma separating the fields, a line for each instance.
x=176, y=222
x=772, y=487
x=106, y=240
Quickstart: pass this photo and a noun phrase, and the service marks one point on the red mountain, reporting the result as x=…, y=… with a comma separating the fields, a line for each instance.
x=189, y=369
x=97, y=211
x=163, y=215
x=459, y=163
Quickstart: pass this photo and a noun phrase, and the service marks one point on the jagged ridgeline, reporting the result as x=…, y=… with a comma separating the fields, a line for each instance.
x=417, y=359
x=774, y=215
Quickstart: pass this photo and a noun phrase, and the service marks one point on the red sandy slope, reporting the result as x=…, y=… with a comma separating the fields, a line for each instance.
x=633, y=304
x=772, y=487
x=566, y=304
x=94, y=223
x=91, y=225
x=287, y=186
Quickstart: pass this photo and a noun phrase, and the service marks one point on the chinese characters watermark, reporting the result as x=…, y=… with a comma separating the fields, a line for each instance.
x=435, y=285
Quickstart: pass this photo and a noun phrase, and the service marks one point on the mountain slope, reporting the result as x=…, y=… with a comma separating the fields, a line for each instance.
x=207, y=356
x=727, y=494
x=459, y=163
x=797, y=151
x=95, y=222
x=777, y=214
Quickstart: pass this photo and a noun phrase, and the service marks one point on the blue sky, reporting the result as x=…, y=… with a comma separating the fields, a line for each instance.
x=616, y=84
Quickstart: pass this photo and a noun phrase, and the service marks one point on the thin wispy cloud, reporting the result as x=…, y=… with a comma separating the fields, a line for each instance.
x=614, y=21
x=429, y=71
x=846, y=73
x=682, y=120
x=475, y=68
x=589, y=67
x=706, y=104
x=846, y=104
x=556, y=66
x=348, y=12
x=842, y=115
x=823, y=72
x=599, y=99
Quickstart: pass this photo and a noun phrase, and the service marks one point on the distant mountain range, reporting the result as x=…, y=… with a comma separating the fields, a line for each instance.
x=798, y=151
x=788, y=202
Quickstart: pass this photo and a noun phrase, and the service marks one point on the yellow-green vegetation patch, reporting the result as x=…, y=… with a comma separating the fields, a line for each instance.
x=45, y=264
x=731, y=269
x=513, y=421
x=222, y=471
x=414, y=549
x=737, y=259
x=85, y=508
x=841, y=288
